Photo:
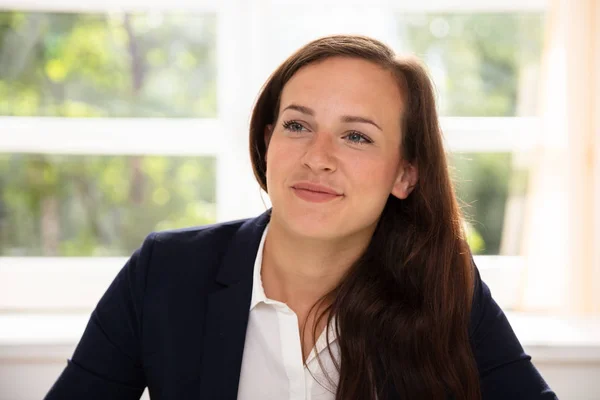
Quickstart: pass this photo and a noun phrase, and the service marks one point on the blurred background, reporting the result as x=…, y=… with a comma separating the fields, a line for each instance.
x=119, y=118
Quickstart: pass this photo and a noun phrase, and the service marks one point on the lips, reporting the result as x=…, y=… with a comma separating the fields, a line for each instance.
x=315, y=193
x=313, y=187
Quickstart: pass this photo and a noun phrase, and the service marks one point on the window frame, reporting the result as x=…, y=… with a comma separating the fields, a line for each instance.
x=62, y=285
x=471, y=6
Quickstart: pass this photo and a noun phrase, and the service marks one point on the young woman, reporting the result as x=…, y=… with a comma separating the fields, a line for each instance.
x=357, y=284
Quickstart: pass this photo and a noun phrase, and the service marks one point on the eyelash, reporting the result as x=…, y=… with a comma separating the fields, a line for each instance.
x=287, y=125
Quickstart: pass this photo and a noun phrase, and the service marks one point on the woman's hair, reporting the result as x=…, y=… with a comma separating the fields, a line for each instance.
x=402, y=310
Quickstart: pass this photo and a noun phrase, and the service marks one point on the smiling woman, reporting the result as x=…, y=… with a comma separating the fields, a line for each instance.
x=344, y=137
x=357, y=284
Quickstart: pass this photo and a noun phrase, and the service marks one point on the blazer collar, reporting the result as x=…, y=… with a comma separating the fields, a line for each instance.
x=239, y=259
x=227, y=312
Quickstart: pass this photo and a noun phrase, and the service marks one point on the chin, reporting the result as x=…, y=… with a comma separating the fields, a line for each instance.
x=314, y=231
x=313, y=223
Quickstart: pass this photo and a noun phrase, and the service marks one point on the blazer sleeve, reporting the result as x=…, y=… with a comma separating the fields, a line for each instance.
x=106, y=364
x=505, y=370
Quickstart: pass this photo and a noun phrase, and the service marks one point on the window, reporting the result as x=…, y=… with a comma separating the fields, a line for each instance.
x=57, y=205
x=483, y=65
x=110, y=115
x=103, y=66
x=108, y=65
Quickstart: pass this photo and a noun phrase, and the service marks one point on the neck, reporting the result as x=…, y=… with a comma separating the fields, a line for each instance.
x=299, y=271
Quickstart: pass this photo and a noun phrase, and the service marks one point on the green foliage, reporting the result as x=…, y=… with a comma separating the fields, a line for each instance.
x=477, y=60
x=483, y=183
x=106, y=205
x=480, y=64
x=154, y=65
x=114, y=65
x=474, y=239
x=93, y=65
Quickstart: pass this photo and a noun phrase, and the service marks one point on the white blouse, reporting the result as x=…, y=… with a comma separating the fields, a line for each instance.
x=272, y=367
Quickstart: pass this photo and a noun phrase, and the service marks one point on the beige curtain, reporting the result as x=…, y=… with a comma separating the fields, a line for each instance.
x=562, y=227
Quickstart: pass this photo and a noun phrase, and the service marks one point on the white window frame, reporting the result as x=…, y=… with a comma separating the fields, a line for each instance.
x=62, y=283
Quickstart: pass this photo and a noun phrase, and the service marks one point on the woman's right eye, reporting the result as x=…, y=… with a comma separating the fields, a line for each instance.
x=292, y=126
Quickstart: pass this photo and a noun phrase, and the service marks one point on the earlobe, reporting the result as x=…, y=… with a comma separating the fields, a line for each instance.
x=406, y=180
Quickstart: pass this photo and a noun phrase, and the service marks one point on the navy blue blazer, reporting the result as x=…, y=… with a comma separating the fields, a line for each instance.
x=174, y=320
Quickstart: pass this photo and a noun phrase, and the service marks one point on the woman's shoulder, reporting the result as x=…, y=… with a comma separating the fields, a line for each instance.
x=196, y=252
x=192, y=246
x=212, y=236
x=505, y=369
x=196, y=236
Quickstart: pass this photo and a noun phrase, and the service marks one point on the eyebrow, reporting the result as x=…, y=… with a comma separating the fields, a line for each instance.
x=344, y=118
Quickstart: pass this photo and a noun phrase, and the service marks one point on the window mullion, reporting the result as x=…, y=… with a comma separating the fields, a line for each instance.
x=490, y=134
x=107, y=136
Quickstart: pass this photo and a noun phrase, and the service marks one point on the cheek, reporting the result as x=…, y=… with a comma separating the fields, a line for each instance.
x=280, y=159
x=373, y=176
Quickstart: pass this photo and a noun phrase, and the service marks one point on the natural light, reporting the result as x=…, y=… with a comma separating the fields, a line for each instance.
x=121, y=118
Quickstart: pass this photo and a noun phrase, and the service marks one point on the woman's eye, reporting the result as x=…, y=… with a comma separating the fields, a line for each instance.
x=292, y=126
x=359, y=138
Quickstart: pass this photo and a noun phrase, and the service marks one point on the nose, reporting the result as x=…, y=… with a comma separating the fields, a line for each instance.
x=319, y=155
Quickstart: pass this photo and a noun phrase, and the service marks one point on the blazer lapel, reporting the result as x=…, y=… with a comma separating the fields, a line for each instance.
x=227, y=314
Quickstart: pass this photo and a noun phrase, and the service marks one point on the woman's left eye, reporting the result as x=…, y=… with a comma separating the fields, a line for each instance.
x=359, y=138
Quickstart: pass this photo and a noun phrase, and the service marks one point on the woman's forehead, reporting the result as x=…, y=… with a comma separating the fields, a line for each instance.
x=344, y=84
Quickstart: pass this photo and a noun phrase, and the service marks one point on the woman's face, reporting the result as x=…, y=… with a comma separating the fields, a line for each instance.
x=333, y=154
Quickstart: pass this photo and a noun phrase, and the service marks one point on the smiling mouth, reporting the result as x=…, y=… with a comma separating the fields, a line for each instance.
x=314, y=196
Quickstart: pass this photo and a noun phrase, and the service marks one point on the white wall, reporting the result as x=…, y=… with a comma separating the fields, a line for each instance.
x=28, y=371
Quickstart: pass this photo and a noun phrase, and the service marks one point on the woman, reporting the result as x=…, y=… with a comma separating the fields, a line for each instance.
x=357, y=284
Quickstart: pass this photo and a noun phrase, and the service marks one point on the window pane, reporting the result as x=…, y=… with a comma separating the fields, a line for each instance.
x=107, y=65
x=55, y=205
x=482, y=64
x=491, y=188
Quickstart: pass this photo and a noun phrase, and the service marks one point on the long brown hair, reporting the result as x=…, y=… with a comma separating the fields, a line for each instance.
x=403, y=308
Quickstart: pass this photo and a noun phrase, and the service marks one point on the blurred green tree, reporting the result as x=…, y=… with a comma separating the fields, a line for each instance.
x=81, y=65
x=483, y=65
x=164, y=65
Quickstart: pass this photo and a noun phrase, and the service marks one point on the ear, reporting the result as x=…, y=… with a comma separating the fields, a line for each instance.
x=406, y=180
